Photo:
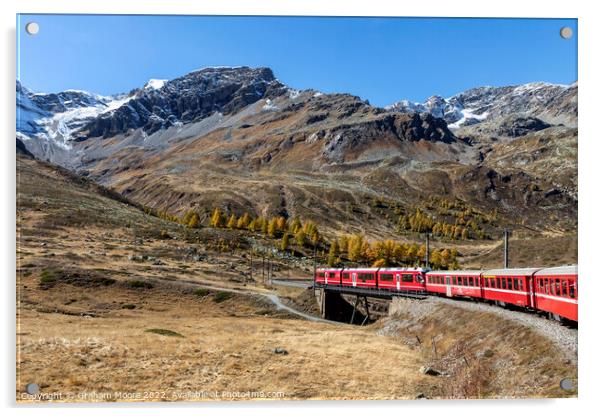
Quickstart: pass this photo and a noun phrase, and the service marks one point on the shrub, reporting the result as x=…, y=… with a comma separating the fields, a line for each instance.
x=221, y=297
x=202, y=292
x=164, y=332
x=139, y=284
x=47, y=277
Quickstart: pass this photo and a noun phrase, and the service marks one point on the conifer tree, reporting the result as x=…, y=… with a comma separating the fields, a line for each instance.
x=333, y=253
x=300, y=237
x=217, y=218
x=285, y=241
x=243, y=221
x=193, y=221
x=232, y=222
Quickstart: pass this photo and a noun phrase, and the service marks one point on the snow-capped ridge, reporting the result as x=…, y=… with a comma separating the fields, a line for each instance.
x=545, y=100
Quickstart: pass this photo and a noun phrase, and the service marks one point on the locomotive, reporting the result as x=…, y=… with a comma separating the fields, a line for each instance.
x=551, y=290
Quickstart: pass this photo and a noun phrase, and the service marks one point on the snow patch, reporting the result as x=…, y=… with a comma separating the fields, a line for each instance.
x=467, y=115
x=269, y=106
x=155, y=84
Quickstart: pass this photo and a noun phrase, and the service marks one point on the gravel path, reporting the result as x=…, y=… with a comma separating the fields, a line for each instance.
x=563, y=336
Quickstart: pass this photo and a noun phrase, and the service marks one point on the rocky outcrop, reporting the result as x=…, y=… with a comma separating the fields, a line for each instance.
x=187, y=99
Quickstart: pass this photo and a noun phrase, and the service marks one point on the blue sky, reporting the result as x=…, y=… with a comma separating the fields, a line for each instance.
x=379, y=59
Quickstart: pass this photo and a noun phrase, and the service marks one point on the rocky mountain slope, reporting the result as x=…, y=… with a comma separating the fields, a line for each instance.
x=240, y=139
x=554, y=104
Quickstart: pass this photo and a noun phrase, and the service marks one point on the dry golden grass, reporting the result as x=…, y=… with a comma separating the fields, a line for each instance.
x=226, y=347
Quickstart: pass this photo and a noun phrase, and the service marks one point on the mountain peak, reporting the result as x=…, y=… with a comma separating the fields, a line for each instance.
x=552, y=103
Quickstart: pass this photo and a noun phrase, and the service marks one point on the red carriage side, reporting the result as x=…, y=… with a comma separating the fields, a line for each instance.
x=365, y=278
x=509, y=286
x=555, y=291
x=463, y=283
x=401, y=279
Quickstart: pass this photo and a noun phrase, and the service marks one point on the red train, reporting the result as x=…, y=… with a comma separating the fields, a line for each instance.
x=551, y=290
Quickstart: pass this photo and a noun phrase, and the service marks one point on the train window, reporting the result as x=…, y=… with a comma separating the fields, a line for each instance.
x=407, y=278
x=486, y=282
x=365, y=276
x=419, y=278
x=572, y=290
x=557, y=288
x=503, y=283
x=544, y=285
x=441, y=280
x=321, y=275
x=565, y=289
x=346, y=276
x=386, y=277
x=518, y=284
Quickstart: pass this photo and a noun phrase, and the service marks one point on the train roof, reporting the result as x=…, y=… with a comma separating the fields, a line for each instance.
x=457, y=272
x=525, y=271
x=558, y=271
x=374, y=269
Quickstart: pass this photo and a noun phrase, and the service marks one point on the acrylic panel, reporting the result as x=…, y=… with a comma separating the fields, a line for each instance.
x=218, y=208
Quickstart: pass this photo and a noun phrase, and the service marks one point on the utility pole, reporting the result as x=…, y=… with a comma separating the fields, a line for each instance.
x=269, y=266
x=505, y=248
x=315, y=262
x=426, y=255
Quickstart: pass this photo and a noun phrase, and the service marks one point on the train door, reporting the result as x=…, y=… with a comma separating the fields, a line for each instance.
x=530, y=283
x=448, y=291
x=398, y=281
x=354, y=279
x=326, y=278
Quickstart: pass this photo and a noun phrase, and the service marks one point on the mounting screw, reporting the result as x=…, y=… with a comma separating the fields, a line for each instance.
x=566, y=32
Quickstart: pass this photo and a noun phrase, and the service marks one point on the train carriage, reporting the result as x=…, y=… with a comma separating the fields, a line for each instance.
x=555, y=291
x=328, y=276
x=360, y=277
x=401, y=279
x=459, y=283
x=508, y=286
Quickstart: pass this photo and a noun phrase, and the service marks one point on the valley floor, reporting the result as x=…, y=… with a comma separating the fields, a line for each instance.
x=110, y=310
